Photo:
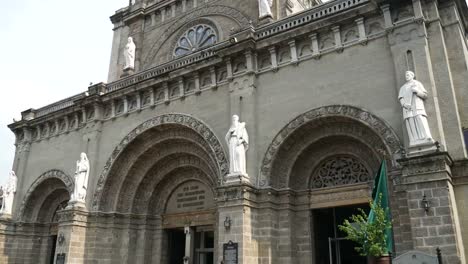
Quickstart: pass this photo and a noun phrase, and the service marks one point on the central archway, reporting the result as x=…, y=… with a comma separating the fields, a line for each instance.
x=149, y=153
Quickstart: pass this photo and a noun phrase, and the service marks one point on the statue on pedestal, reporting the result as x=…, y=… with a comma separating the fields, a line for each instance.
x=238, y=141
x=9, y=194
x=81, y=179
x=412, y=95
x=129, y=54
x=264, y=8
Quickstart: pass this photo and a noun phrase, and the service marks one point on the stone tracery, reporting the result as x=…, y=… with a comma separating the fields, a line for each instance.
x=196, y=38
x=339, y=170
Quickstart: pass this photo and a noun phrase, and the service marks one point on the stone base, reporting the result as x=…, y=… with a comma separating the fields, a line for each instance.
x=127, y=72
x=265, y=20
x=5, y=216
x=232, y=179
x=76, y=204
x=422, y=149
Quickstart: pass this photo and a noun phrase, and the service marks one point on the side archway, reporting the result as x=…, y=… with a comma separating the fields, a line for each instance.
x=47, y=192
x=342, y=128
x=155, y=149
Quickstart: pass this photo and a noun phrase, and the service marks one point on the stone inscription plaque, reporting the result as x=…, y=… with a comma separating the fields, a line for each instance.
x=230, y=253
x=60, y=258
x=190, y=196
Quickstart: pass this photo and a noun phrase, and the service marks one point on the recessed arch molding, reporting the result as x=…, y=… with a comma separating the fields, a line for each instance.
x=383, y=130
x=167, y=119
x=51, y=174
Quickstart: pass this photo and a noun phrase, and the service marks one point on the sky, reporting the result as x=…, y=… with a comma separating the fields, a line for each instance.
x=51, y=49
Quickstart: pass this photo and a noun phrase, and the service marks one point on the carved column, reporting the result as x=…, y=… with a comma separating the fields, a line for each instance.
x=196, y=78
x=125, y=104
x=387, y=16
x=273, y=57
x=173, y=10
x=337, y=34
x=151, y=95
x=180, y=81
x=361, y=30
x=293, y=49
x=314, y=46
x=213, y=77
x=229, y=69
x=249, y=58
x=20, y=162
x=166, y=92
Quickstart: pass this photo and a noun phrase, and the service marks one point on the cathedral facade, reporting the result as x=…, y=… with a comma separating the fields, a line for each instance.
x=321, y=99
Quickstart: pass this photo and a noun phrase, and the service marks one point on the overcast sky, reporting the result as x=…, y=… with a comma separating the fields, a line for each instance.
x=51, y=49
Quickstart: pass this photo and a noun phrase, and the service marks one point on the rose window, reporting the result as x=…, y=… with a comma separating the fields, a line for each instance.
x=338, y=171
x=194, y=39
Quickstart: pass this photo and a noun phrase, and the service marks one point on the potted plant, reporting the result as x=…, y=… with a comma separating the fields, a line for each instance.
x=371, y=236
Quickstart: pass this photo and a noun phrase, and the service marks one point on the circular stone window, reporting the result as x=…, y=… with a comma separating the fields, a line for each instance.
x=196, y=38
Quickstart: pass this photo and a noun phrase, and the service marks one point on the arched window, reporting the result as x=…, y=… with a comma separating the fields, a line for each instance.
x=194, y=39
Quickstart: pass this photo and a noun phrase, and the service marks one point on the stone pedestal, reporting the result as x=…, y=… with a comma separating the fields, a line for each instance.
x=431, y=205
x=235, y=222
x=80, y=205
x=127, y=72
x=232, y=179
x=5, y=216
x=265, y=20
x=72, y=231
x=422, y=149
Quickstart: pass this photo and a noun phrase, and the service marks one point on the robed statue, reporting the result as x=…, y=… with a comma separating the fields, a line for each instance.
x=264, y=8
x=8, y=196
x=129, y=54
x=412, y=95
x=238, y=141
x=81, y=179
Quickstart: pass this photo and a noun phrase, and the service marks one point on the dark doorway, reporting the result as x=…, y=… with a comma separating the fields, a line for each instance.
x=330, y=245
x=204, y=245
x=53, y=244
x=176, y=246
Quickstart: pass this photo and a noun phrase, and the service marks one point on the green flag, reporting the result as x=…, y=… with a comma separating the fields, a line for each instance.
x=380, y=190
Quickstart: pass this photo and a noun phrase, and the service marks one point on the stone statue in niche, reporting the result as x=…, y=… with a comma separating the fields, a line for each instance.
x=8, y=196
x=129, y=54
x=264, y=8
x=412, y=95
x=238, y=141
x=81, y=179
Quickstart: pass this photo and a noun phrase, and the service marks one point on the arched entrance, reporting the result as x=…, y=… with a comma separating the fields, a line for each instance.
x=49, y=194
x=327, y=158
x=163, y=177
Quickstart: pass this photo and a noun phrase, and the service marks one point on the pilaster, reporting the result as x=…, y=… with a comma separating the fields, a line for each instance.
x=72, y=235
x=431, y=205
x=236, y=222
